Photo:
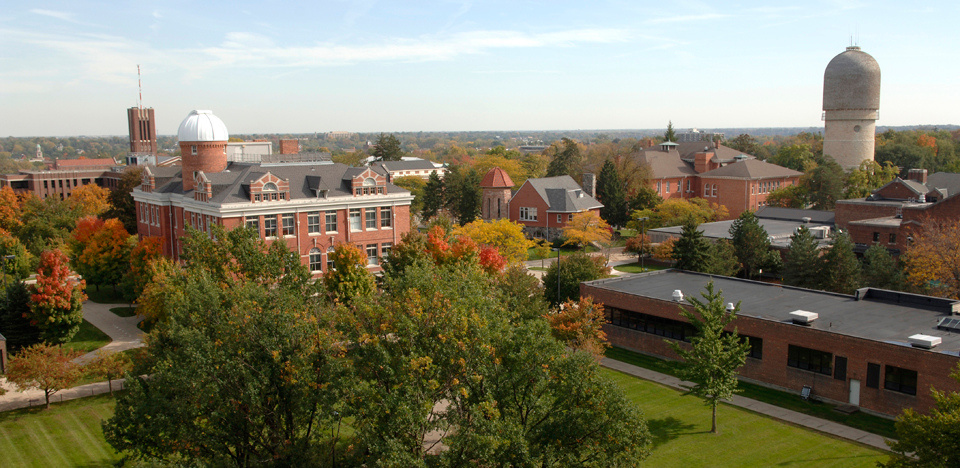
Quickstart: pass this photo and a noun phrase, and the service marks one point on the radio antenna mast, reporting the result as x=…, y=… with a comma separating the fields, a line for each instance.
x=139, y=89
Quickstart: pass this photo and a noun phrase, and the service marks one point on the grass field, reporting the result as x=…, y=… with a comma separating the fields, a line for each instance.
x=89, y=338
x=635, y=268
x=106, y=295
x=68, y=434
x=680, y=426
x=124, y=311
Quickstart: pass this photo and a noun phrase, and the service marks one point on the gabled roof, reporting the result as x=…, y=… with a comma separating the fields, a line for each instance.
x=496, y=178
x=724, y=154
x=750, y=169
x=404, y=165
x=912, y=185
x=665, y=164
x=563, y=194
x=945, y=180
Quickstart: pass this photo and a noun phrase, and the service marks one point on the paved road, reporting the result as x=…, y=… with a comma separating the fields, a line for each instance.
x=124, y=334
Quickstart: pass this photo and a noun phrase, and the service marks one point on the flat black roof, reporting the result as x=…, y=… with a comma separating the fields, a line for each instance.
x=885, y=316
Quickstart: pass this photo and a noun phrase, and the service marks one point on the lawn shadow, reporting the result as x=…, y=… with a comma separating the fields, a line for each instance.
x=666, y=429
x=821, y=459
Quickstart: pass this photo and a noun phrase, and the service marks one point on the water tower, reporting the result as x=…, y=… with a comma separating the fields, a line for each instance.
x=851, y=106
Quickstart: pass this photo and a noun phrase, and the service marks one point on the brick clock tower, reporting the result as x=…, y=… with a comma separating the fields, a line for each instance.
x=496, y=186
x=203, y=145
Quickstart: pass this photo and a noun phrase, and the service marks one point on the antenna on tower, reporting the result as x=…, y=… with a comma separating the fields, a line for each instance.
x=139, y=89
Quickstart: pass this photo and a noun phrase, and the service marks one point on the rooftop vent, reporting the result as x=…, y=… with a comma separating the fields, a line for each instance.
x=803, y=317
x=924, y=341
x=678, y=295
x=806, y=219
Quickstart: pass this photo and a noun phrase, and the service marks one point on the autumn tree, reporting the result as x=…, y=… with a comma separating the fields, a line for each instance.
x=570, y=271
x=839, y=269
x=56, y=302
x=714, y=356
x=673, y=212
x=612, y=193
x=47, y=224
x=18, y=267
x=146, y=250
x=866, y=178
x=101, y=251
x=928, y=440
x=44, y=367
x=664, y=250
x=586, y=228
x=387, y=148
x=122, y=206
x=801, y=260
x=579, y=324
x=504, y=235
x=10, y=213
x=508, y=160
x=931, y=263
x=108, y=365
x=90, y=200
x=349, y=278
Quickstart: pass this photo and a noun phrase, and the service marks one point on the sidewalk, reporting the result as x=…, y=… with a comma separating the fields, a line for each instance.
x=616, y=257
x=776, y=412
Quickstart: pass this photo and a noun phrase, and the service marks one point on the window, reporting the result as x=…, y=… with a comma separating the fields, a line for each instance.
x=385, y=250
x=193, y=149
x=876, y=237
x=756, y=346
x=331, y=221
x=713, y=191
x=253, y=223
x=372, y=255
x=688, y=185
x=386, y=217
x=570, y=217
x=313, y=222
x=355, y=219
x=658, y=186
x=528, y=213
x=900, y=380
x=329, y=258
x=873, y=375
x=753, y=189
x=316, y=259
x=893, y=238
x=650, y=324
x=269, y=187
x=667, y=188
x=559, y=218
x=371, y=218
x=706, y=190
x=270, y=226
x=288, y=224
x=256, y=197
x=810, y=359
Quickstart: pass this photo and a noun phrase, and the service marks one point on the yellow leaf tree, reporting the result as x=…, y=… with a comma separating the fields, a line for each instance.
x=90, y=200
x=586, y=227
x=932, y=262
x=503, y=234
x=579, y=324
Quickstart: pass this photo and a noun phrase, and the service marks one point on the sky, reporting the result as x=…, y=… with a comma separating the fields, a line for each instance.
x=70, y=67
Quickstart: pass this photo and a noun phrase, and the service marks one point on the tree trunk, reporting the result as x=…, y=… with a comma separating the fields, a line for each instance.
x=714, y=428
x=110, y=385
x=46, y=395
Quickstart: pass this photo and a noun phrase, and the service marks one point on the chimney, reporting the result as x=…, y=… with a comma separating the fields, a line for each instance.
x=289, y=147
x=590, y=184
x=701, y=162
x=917, y=175
x=716, y=144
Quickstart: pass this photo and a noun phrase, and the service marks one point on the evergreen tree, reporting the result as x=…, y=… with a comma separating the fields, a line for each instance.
x=14, y=324
x=611, y=192
x=880, y=270
x=692, y=250
x=825, y=184
x=566, y=160
x=463, y=194
x=714, y=356
x=722, y=259
x=801, y=262
x=839, y=267
x=433, y=196
x=751, y=243
x=387, y=148
x=670, y=135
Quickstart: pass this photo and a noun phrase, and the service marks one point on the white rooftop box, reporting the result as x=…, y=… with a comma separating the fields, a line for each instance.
x=803, y=317
x=924, y=341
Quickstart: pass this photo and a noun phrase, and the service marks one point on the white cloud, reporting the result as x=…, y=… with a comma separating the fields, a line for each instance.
x=687, y=18
x=60, y=15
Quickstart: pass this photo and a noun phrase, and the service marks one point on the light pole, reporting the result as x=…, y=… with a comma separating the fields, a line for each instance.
x=643, y=221
x=558, y=276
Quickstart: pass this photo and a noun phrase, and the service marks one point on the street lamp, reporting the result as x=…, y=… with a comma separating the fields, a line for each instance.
x=558, y=276
x=643, y=220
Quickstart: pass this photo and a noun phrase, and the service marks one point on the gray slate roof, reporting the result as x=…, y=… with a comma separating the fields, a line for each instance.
x=945, y=180
x=724, y=154
x=872, y=318
x=409, y=165
x=751, y=169
x=563, y=194
x=664, y=164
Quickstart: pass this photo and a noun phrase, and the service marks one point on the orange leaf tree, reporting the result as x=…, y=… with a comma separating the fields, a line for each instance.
x=585, y=228
x=44, y=367
x=349, y=278
x=10, y=212
x=932, y=262
x=90, y=200
x=56, y=302
x=143, y=253
x=101, y=251
x=504, y=235
x=579, y=324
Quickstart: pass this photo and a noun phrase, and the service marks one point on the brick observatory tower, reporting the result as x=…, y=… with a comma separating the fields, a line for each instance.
x=496, y=185
x=851, y=106
x=203, y=145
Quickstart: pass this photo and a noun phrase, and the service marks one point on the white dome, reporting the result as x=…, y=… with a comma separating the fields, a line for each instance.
x=202, y=125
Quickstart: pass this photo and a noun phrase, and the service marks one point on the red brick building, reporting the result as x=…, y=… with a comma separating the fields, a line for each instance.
x=879, y=350
x=544, y=206
x=717, y=173
x=63, y=176
x=311, y=206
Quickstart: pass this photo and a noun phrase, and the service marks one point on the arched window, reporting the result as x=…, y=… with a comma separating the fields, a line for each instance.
x=269, y=187
x=316, y=260
x=330, y=260
x=706, y=190
x=369, y=182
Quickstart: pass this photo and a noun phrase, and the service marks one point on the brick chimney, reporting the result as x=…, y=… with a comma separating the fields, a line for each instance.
x=917, y=175
x=289, y=147
x=701, y=161
x=590, y=184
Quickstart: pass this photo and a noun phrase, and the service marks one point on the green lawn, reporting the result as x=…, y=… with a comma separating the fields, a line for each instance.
x=89, y=338
x=877, y=425
x=680, y=426
x=106, y=295
x=68, y=434
x=124, y=311
x=635, y=268
x=532, y=254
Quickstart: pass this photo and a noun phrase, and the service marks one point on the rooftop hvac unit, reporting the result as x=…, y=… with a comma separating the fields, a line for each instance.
x=924, y=341
x=803, y=317
x=822, y=232
x=678, y=295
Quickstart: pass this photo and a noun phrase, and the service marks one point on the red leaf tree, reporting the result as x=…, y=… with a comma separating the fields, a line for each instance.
x=44, y=367
x=56, y=302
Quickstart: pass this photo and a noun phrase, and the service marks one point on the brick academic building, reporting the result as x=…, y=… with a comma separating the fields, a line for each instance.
x=310, y=205
x=881, y=351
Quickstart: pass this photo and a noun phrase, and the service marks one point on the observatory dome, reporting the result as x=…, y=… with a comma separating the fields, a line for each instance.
x=851, y=81
x=202, y=125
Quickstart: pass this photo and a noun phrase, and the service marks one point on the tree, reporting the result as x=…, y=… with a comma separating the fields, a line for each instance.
x=387, y=148
x=611, y=192
x=722, y=259
x=44, y=367
x=90, y=200
x=645, y=198
x=713, y=357
x=108, y=365
x=673, y=212
x=566, y=159
x=146, y=251
x=462, y=194
x=570, y=271
x=670, y=135
x=932, y=262
x=504, y=235
x=802, y=259
x=10, y=211
x=824, y=185
x=579, y=324
x=789, y=196
x=122, y=206
x=56, y=302
x=868, y=177
x=751, y=244
x=416, y=186
x=839, y=269
x=47, y=223
x=433, y=196
x=509, y=161
x=664, y=250
x=349, y=278
x=691, y=250
x=15, y=325
x=103, y=255
x=798, y=157
x=746, y=144
x=880, y=269
x=18, y=267
x=585, y=228
x=929, y=440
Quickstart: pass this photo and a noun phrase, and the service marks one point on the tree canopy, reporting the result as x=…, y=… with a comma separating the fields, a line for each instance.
x=751, y=243
x=585, y=228
x=691, y=251
x=929, y=440
x=611, y=191
x=802, y=259
x=56, y=301
x=931, y=263
x=387, y=148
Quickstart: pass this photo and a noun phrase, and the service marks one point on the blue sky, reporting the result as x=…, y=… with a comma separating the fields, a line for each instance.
x=70, y=68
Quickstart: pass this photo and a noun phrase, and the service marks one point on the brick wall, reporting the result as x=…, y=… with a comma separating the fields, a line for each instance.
x=855, y=210
x=211, y=157
x=289, y=147
x=896, y=190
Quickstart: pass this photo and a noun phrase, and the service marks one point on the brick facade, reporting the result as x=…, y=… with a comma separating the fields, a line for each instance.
x=206, y=156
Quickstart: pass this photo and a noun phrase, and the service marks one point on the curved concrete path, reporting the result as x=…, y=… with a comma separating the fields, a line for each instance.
x=122, y=331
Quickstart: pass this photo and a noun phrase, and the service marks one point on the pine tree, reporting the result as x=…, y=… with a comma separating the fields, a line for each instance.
x=751, y=243
x=611, y=192
x=801, y=262
x=14, y=324
x=670, y=135
x=566, y=160
x=839, y=267
x=433, y=196
x=387, y=148
x=880, y=270
x=692, y=250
